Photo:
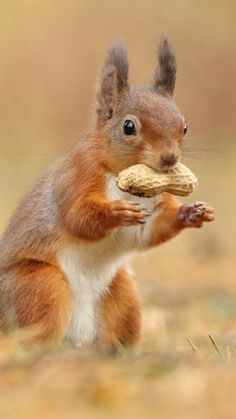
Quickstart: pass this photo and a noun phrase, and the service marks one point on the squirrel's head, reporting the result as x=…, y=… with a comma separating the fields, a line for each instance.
x=140, y=125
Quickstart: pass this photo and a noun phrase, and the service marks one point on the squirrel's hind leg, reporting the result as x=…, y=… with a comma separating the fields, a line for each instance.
x=39, y=299
x=120, y=313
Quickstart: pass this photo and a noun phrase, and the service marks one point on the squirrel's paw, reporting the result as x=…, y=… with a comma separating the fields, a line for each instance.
x=194, y=215
x=128, y=213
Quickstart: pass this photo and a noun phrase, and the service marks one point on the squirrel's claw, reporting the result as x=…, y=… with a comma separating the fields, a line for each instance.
x=194, y=215
x=126, y=213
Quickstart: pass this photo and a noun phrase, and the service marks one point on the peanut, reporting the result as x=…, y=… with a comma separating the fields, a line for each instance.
x=143, y=181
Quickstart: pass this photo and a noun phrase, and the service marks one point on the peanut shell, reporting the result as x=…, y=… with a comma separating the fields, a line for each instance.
x=143, y=181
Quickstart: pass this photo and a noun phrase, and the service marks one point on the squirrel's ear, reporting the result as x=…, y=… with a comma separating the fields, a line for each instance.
x=165, y=72
x=113, y=80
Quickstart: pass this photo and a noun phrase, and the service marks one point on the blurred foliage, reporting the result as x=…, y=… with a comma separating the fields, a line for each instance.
x=51, y=52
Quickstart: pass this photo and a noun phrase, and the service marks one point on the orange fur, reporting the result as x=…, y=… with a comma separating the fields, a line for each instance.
x=41, y=299
x=121, y=313
x=70, y=207
x=165, y=225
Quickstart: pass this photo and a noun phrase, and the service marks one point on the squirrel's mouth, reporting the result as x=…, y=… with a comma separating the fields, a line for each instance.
x=163, y=162
x=166, y=168
x=160, y=167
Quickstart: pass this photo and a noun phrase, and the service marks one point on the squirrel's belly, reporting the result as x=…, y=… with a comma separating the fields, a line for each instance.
x=89, y=270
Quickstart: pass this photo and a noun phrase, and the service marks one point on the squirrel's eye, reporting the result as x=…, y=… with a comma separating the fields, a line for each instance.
x=185, y=128
x=129, y=127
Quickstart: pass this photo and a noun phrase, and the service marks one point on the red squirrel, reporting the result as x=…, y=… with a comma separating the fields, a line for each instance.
x=65, y=253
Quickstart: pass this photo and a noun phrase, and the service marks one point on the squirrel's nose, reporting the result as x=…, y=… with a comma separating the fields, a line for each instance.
x=169, y=159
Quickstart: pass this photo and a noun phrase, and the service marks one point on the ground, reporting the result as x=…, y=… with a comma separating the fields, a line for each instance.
x=184, y=366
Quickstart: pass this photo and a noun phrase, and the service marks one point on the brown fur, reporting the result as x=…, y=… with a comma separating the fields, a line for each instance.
x=165, y=74
x=69, y=204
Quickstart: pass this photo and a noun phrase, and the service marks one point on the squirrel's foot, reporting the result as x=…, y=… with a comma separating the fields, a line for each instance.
x=194, y=215
x=128, y=213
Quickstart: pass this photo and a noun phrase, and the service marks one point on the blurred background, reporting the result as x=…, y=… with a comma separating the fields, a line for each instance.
x=51, y=52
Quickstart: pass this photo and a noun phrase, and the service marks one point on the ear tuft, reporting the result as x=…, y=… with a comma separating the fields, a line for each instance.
x=117, y=57
x=165, y=73
x=113, y=81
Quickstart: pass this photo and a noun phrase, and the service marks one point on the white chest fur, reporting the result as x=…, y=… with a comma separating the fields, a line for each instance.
x=90, y=269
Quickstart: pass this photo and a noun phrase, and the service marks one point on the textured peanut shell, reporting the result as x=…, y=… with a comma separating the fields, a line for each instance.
x=143, y=181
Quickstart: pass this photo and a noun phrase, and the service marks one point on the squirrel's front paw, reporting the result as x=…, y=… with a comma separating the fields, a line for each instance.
x=127, y=213
x=196, y=214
